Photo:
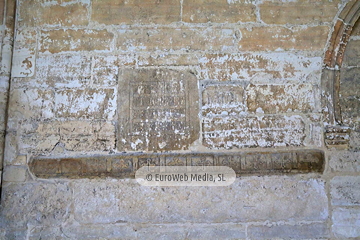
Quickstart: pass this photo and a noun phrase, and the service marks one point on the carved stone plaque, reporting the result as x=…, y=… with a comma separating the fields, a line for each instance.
x=125, y=165
x=158, y=109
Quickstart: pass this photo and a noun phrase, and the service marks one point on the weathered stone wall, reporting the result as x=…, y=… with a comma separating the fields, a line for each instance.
x=101, y=77
x=7, y=13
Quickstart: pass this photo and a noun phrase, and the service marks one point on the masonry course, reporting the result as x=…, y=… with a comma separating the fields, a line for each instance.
x=268, y=86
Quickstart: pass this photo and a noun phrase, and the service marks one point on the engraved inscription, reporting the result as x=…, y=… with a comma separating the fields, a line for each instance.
x=202, y=161
x=158, y=109
x=175, y=161
x=125, y=165
x=220, y=99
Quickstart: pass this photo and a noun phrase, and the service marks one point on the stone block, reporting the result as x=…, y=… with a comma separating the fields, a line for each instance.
x=356, y=29
x=53, y=14
x=105, y=69
x=218, y=11
x=3, y=103
x=229, y=132
x=55, y=41
x=101, y=231
x=167, y=59
x=10, y=17
x=2, y=143
x=58, y=71
x=345, y=191
x=20, y=234
x=162, y=231
x=350, y=107
x=4, y=83
x=31, y=104
x=23, y=63
x=193, y=231
x=352, y=53
x=37, y=204
x=14, y=174
x=2, y=7
x=71, y=135
x=275, y=67
x=46, y=166
x=63, y=71
x=344, y=161
x=337, y=137
x=93, y=136
x=217, y=231
x=50, y=233
x=38, y=143
x=86, y=103
x=282, y=38
x=350, y=95
x=175, y=39
x=222, y=99
x=346, y=223
x=10, y=146
x=271, y=99
x=275, y=198
x=349, y=77
x=135, y=11
x=158, y=109
x=354, y=142
x=299, y=231
x=298, y=12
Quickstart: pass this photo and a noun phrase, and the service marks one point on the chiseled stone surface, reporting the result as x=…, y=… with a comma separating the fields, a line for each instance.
x=35, y=203
x=90, y=103
x=14, y=174
x=157, y=109
x=42, y=137
x=345, y=191
x=175, y=39
x=280, y=98
x=248, y=199
x=274, y=67
x=346, y=223
x=222, y=99
x=344, y=161
x=227, y=132
x=31, y=104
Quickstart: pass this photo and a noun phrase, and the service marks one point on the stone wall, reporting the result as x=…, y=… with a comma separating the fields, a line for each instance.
x=7, y=21
x=98, y=78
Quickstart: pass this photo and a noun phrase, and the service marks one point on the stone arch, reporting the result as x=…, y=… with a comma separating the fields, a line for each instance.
x=333, y=60
x=336, y=134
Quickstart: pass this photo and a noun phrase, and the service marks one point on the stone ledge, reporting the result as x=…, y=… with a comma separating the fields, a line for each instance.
x=125, y=165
